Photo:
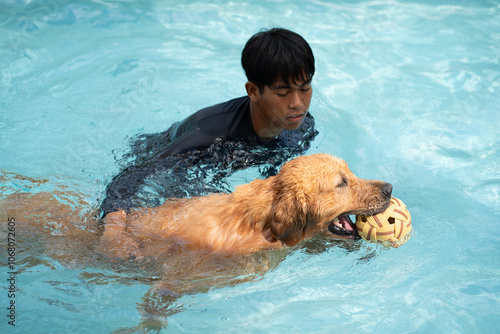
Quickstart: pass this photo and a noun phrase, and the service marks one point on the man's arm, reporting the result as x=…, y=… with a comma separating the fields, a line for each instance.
x=123, y=187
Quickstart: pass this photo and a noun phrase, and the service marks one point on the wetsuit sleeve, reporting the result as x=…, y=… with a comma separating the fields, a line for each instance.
x=193, y=139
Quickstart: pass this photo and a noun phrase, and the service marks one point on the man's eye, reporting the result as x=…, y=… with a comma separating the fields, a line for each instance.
x=282, y=94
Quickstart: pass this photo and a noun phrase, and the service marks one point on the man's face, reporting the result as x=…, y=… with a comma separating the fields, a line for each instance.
x=285, y=106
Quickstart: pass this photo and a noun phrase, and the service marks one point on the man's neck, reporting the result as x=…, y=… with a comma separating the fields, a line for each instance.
x=263, y=126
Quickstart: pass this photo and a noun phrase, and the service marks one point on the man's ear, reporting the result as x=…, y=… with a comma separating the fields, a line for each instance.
x=252, y=91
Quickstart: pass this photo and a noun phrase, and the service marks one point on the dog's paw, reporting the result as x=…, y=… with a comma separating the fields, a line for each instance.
x=116, y=241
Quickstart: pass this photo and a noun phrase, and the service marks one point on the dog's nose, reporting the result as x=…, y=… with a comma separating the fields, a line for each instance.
x=387, y=189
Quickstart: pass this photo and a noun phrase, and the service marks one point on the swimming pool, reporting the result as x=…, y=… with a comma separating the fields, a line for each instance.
x=406, y=92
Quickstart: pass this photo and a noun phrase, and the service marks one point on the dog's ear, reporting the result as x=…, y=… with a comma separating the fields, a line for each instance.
x=290, y=212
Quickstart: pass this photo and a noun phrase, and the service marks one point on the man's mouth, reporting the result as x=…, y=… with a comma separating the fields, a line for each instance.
x=295, y=118
x=344, y=227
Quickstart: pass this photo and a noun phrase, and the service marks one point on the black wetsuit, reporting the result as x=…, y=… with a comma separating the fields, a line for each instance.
x=193, y=156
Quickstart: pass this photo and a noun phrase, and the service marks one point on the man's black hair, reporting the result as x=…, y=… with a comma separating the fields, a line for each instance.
x=277, y=54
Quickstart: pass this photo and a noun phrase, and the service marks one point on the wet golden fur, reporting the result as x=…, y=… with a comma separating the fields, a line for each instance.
x=283, y=210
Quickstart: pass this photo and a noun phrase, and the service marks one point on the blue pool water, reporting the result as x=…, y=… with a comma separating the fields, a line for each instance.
x=405, y=91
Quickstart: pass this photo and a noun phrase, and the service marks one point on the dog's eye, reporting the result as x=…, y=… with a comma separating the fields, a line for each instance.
x=342, y=183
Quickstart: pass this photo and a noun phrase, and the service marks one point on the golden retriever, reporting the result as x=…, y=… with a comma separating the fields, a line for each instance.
x=191, y=245
x=309, y=196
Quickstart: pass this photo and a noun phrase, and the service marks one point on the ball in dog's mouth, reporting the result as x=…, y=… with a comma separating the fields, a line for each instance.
x=344, y=227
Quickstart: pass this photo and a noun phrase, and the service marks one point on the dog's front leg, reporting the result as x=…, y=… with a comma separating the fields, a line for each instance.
x=116, y=241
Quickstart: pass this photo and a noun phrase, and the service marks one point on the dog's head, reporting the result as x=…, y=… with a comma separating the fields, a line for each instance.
x=312, y=191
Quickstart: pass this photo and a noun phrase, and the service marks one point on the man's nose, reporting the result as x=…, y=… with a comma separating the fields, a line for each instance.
x=295, y=100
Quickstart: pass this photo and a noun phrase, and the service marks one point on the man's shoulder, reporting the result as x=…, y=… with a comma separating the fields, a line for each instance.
x=207, y=124
x=223, y=119
x=231, y=106
x=220, y=111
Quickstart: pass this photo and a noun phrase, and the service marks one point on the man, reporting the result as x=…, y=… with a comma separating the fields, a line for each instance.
x=268, y=126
